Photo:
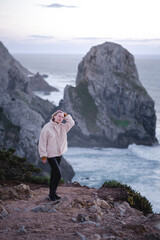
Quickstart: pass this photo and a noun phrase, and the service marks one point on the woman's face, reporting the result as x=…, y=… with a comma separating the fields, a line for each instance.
x=59, y=118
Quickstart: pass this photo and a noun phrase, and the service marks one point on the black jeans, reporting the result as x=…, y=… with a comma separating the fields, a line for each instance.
x=56, y=174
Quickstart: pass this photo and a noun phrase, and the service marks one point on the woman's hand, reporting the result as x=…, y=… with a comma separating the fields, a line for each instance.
x=44, y=159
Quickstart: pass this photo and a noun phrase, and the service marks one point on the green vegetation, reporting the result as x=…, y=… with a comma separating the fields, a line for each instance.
x=62, y=181
x=134, y=198
x=86, y=106
x=83, y=103
x=14, y=168
x=120, y=123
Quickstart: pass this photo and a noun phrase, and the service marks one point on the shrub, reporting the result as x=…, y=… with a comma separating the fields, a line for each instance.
x=134, y=198
x=17, y=168
x=62, y=181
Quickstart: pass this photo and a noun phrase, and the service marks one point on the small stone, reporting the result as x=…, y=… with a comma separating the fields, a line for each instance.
x=96, y=237
x=102, y=203
x=39, y=209
x=121, y=208
x=7, y=229
x=1, y=216
x=158, y=225
x=98, y=218
x=93, y=223
x=104, y=236
x=52, y=210
x=26, y=210
x=74, y=219
x=111, y=237
x=98, y=225
x=22, y=230
x=17, y=209
x=93, y=209
x=81, y=236
x=3, y=212
x=82, y=217
x=99, y=211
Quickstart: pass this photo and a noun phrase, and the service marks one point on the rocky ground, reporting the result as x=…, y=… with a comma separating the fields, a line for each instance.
x=81, y=213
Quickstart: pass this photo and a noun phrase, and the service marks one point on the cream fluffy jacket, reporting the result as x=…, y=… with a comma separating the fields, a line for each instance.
x=53, y=138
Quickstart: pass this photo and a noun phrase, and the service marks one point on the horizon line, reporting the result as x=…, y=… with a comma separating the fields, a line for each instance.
x=136, y=54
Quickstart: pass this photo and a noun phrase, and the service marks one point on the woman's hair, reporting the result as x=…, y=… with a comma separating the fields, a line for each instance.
x=54, y=114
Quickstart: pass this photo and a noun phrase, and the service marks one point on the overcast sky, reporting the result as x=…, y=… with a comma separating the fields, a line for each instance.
x=74, y=26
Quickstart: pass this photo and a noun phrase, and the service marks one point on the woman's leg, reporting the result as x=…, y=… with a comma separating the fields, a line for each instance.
x=55, y=174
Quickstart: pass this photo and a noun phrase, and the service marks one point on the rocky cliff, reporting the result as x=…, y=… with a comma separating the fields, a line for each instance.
x=22, y=114
x=109, y=104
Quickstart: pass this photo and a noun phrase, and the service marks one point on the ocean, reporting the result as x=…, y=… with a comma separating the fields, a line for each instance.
x=137, y=166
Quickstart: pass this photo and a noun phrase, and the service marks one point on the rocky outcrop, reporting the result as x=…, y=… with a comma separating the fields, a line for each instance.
x=22, y=114
x=20, y=191
x=37, y=83
x=110, y=106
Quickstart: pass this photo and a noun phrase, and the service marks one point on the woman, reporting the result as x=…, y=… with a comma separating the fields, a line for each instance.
x=52, y=144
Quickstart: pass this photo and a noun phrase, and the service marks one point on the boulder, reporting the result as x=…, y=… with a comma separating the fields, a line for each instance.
x=110, y=106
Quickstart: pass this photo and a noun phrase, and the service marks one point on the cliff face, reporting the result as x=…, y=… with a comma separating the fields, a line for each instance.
x=22, y=114
x=109, y=104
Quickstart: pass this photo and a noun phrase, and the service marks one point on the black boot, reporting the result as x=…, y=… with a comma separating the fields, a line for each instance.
x=52, y=197
x=57, y=197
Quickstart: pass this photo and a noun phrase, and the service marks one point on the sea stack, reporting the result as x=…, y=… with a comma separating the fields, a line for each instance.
x=109, y=104
x=37, y=83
